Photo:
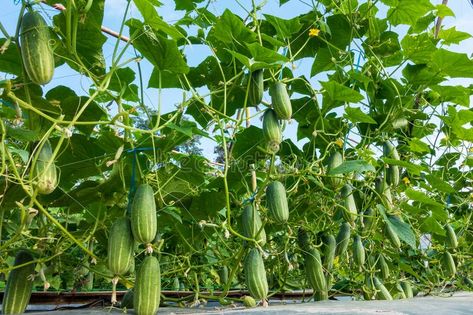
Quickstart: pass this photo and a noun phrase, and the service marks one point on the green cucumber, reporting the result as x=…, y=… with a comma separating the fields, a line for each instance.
x=358, y=252
x=280, y=100
x=277, y=202
x=314, y=270
x=19, y=284
x=36, y=52
x=330, y=246
x=343, y=238
x=256, y=88
x=350, y=211
x=452, y=240
x=45, y=173
x=144, y=223
x=383, y=293
x=120, y=247
x=407, y=288
x=272, y=132
x=335, y=160
x=147, y=290
x=449, y=265
x=255, y=275
x=252, y=224
x=392, y=171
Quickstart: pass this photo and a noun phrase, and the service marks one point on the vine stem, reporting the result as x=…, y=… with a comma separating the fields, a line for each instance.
x=438, y=25
x=62, y=228
x=104, y=29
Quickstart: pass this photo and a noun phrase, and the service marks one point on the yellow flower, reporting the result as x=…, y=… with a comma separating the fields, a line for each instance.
x=339, y=142
x=314, y=32
x=406, y=181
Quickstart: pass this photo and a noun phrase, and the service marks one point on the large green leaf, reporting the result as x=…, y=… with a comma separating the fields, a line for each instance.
x=89, y=41
x=10, y=60
x=160, y=51
x=338, y=92
x=187, y=5
x=402, y=229
x=284, y=28
x=408, y=11
x=152, y=19
x=439, y=184
x=358, y=166
x=418, y=48
x=422, y=197
x=261, y=57
x=355, y=115
x=230, y=28
x=246, y=147
x=452, y=64
x=452, y=36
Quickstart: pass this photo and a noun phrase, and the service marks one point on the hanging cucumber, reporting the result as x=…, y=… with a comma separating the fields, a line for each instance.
x=45, y=174
x=256, y=88
x=255, y=275
x=350, y=211
x=335, y=160
x=252, y=224
x=330, y=247
x=147, y=290
x=280, y=100
x=314, y=270
x=392, y=171
x=271, y=131
x=36, y=52
x=343, y=238
x=452, y=240
x=144, y=223
x=19, y=285
x=277, y=202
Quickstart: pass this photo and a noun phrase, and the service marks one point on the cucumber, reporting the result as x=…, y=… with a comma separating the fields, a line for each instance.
x=330, y=246
x=335, y=160
x=127, y=301
x=392, y=171
x=350, y=211
x=255, y=275
x=383, y=293
x=383, y=267
x=314, y=270
x=407, y=288
x=120, y=247
x=251, y=222
x=19, y=285
x=256, y=88
x=45, y=173
x=343, y=238
x=36, y=52
x=147, y=290
x=144, y=223
x=277, y=202
x=272, y=132
x=280, y=100
x=452, y=240
x=358, y=252
x=449, y=265
x=392, y=236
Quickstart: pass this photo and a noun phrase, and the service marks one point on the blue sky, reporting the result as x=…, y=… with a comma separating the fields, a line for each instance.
x=114, y=11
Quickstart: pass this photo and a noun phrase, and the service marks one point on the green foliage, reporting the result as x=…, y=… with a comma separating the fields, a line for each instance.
x=377, y=144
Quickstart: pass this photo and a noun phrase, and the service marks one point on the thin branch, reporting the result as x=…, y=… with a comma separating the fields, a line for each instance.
x=439, y=22
x=104, y=29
